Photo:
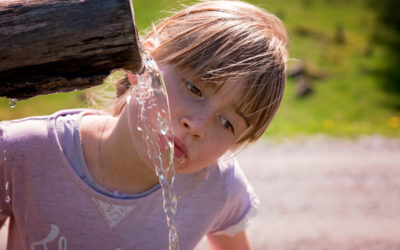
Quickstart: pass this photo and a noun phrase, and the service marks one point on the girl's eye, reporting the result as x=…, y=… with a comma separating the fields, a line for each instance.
x=228, y=125
x=192, y=88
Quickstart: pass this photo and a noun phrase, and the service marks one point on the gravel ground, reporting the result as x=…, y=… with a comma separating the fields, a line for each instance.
x=321, y=193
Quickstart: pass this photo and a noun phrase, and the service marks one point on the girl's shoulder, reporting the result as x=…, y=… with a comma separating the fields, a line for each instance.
x=235, y=196
x=21, y=131
x=229, y=171
x=223, y=180
x=30, y=130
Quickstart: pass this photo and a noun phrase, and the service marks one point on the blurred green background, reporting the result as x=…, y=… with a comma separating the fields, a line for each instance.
x=349, y=55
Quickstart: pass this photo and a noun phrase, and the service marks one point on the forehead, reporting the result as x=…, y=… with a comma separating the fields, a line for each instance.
x=229, y=90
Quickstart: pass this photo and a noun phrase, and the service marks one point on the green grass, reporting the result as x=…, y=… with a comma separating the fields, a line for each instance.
x=41, y=105
x=349, y=102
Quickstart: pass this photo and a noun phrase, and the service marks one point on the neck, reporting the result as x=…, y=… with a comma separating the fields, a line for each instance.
x=111, y=156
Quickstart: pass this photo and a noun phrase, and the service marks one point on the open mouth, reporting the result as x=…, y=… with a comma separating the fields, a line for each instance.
x=178, y=153
x=179, y=149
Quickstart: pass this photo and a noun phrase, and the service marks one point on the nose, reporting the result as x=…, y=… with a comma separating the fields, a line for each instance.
x=195, y=125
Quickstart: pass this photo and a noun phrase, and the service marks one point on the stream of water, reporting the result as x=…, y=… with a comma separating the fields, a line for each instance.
x=154, y=120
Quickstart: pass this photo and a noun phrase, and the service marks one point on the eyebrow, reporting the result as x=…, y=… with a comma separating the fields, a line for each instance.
x=242, y=116
x=210, y=86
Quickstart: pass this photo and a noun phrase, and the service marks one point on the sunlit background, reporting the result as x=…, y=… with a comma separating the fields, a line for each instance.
x=344, y=84
x=347, y=53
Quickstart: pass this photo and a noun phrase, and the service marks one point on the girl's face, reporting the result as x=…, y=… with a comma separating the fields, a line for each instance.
x=205, y=123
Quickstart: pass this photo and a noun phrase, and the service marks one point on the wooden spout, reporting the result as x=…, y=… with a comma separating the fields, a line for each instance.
x=49, y=46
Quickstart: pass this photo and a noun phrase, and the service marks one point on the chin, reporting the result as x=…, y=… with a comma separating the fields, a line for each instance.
x=186, y=169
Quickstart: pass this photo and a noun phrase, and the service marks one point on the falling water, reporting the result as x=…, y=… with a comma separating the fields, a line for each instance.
x=154, y=120
x=7, y=198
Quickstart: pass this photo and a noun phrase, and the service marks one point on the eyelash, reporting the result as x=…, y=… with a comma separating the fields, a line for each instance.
x=228, y=125
x=193, y=89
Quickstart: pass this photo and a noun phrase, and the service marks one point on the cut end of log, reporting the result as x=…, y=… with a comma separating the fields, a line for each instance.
x=76, y=45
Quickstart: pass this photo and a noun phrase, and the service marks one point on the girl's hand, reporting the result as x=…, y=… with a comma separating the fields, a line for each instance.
x=224, y=242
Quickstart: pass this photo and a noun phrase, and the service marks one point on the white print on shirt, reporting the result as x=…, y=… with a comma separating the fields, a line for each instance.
x=54, y=231
x=112, y=213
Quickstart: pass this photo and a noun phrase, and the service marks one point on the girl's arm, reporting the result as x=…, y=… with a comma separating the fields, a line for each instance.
x=224, y=242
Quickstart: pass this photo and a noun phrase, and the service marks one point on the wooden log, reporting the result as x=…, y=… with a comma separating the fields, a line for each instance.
x=49, y=46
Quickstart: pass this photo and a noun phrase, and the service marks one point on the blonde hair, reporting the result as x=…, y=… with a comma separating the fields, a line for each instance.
x=218, y=41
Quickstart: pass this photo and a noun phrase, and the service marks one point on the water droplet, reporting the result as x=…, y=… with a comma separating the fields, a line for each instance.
x=12, y=102
x=7, y=199
x=6, y=185
x=139, y=128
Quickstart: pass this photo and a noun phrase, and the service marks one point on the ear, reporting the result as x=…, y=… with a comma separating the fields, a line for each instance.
x=132, y=78
x=150, y=44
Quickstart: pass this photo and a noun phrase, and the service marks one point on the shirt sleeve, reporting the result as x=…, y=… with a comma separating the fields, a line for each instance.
x=5, y=184
x=240, y=205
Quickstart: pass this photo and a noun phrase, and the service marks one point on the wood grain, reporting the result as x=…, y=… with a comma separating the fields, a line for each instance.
x=48, y=46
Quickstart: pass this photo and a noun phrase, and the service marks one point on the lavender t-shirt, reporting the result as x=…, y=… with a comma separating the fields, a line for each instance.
x=50, y=206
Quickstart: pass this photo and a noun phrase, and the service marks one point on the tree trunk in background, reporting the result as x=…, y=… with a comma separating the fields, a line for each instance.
x=49, y=46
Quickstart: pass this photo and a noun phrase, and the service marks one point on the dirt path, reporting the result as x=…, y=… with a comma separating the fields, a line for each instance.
x=326, y=194
x=322, y=193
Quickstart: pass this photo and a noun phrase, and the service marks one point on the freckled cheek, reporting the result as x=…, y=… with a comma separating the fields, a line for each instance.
x=220, y=134
x=173, y=100
x=179, y=103
x=211, y=154
x=217, y=145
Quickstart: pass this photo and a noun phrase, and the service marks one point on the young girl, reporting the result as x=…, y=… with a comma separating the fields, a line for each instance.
x=81, y=179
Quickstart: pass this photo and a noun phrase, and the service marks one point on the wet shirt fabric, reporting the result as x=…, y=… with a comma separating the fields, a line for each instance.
x=51, y=207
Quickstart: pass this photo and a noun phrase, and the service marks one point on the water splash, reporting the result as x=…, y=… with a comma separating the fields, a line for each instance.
x=12, y=102
x=154, y=124
x=7, y=199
